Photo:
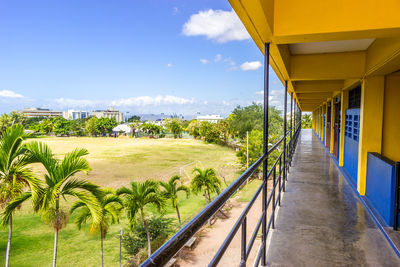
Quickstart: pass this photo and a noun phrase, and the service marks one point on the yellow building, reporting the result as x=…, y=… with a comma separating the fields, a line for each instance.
x=342, y=62
x=339, y=60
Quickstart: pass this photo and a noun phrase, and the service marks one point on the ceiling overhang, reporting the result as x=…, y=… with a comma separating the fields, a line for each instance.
x=320, y=47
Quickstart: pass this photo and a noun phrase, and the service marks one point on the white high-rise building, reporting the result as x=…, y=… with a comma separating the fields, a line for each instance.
x=109, y=113
x=75, y=114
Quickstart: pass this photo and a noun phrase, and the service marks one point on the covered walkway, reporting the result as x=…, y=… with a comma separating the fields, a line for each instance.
x=322, y=222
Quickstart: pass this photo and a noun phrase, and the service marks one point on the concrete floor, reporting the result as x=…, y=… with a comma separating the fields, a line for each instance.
x=321, y=221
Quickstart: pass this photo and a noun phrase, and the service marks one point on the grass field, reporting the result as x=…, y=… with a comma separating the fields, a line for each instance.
x=115, y=162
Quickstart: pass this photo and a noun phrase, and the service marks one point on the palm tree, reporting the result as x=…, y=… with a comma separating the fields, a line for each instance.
x=171, y=190
x=137, y=198
x=206, y=181
x=15, y=176
x=60, y=183
x=111, y=206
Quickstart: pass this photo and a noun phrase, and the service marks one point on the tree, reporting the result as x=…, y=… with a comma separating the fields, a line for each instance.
x=171, y=190
x=209, y=132
x=15, y=176
x=151, y=129
x=194, y=128
x=134, y=118
x=46, y=126
x=77, y=127
x=61, y=126
x=105, y=125
x=135, y=126
x=306, y=121
x=111, y=206
x=275, y=133
x=61, y=184
x=91, y=126
x=245, y=119
x=137, y=197
x=255, y=149
x=205, y=181
x=175, y=126
x=135, y=239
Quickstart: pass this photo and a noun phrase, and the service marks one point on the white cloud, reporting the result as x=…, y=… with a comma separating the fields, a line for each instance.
x=204, y=61
x=169, y=65
x=74, y=103
x=10, y=94
x=252, y=65
x=175, y=10
x=218, y=25
x=276, y=98
x=148, y=100
x=218, y=58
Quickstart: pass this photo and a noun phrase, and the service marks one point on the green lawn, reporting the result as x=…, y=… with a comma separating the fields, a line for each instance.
x=115, y=162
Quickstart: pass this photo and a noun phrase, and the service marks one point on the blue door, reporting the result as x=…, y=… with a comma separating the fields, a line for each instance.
x=351, y=136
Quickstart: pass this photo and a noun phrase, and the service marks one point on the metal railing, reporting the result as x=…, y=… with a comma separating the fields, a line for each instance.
x=279, y=178
x=278, y=174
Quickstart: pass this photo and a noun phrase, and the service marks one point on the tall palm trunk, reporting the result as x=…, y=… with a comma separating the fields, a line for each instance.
x=179, y=216
x=209, y=196
x=101, y=242
x=55, y=248
x=9, y=241
x=146, y=228
x=148, y=237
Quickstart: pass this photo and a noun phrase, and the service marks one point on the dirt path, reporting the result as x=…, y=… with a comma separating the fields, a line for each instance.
x=212, y=237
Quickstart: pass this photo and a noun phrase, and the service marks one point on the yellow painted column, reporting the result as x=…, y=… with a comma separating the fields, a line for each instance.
x=318, y=121
x=326, y=121
x=344, y=104
x=322, y=123
x=371, y=122
x=321, y=132
x=332, y=141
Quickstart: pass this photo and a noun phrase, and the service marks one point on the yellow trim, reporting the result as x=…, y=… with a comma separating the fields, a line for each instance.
x=326, y=122
x=332, y=139
x=370, y=136
x=344, y=104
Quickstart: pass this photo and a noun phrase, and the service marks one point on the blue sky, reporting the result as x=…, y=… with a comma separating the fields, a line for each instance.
x=172, y=56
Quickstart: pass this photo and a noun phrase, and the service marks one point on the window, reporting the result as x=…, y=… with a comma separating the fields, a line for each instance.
x=355, y=97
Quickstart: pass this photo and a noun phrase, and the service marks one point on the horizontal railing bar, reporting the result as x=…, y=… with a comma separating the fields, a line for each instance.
x=235, y=228
x=254, y=235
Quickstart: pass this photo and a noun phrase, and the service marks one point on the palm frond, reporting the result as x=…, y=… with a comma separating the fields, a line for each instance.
x=13, y=205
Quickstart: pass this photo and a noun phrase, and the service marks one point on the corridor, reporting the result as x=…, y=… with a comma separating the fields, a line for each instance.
x=321, y=221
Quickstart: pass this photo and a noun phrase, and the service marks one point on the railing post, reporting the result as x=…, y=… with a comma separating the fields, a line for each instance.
x=243, y=245
x=265, y=150
x=284, y=140
x=273, y=198
x=291, y=127
x=279, y=180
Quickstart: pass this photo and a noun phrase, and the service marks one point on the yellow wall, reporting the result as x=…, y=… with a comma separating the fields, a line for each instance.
x=391, y=118
x=371, y=113
x=316, y=16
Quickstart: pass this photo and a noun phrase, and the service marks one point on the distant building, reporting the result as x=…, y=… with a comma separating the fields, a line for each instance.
x=109, y=113
x=41, y=112
x=210, y=118
x=75, y=114
x=122, y=128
